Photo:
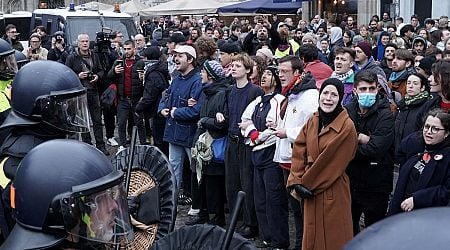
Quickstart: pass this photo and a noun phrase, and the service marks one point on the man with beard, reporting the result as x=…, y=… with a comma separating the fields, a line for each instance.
x=386, y=63
x=195, y=34
x=87, y=66
x=129, y=91
x=401, y=67
x=259, y=37
x=343, y=64
x=181, y=123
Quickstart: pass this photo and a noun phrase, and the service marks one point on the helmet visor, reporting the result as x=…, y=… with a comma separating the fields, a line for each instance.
x=102, y=216
x=67, y=112
x=8, y=65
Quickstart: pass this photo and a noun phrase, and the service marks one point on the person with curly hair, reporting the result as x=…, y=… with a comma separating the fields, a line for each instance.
x=258, y=70
x=206, y=49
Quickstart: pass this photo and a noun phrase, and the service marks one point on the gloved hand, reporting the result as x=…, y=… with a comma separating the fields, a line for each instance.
x=303, y=191
x=133, y=205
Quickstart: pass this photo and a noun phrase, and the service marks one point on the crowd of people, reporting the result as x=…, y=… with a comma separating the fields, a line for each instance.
x=312, y=118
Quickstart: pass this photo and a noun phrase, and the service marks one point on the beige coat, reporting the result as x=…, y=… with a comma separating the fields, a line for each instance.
x=319, y=161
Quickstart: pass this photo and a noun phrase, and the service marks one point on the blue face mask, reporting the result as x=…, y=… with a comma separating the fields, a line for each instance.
x=366, y=100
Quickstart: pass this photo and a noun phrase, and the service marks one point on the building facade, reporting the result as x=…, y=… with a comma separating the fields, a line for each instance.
x=363, y=10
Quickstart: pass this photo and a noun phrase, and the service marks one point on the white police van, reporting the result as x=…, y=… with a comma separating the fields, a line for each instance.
x=74, y=21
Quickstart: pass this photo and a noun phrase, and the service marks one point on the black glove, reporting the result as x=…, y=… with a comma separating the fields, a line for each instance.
x=133, y=205
x=303, y=191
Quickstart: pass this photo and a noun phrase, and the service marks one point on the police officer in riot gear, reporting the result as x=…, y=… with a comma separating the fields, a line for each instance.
x=48, y=102
x=21, y=59
x=81, y=201
x=8, y=69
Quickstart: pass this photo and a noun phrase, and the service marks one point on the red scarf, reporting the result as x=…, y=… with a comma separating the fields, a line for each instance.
x=297, y=79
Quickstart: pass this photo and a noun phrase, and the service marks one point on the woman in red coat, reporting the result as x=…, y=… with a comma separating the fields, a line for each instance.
x=321, y=153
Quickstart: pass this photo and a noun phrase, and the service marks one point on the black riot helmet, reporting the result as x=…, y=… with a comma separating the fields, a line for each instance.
x=5, y=48
x=8, y=64
x=49, y=92
x=66, y=189
x=21, y=59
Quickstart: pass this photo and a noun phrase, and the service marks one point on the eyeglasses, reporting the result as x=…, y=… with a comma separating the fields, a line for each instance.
x=35, y=41
x=434, y=130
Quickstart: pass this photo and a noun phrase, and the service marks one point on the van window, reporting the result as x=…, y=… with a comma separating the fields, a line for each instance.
x=125, y=25
x=76, y=26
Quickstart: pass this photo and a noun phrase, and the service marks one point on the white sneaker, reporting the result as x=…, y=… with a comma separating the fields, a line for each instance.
x=193, y=211
x=112, y=142
x=121, y=148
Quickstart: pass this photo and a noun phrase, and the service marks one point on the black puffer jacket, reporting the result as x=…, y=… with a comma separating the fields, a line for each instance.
x=156, y=81
x=137, y=87
x=406, y=119
x=372, y=168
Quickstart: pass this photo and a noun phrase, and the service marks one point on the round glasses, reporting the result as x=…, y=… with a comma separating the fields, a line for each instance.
x=433, y=129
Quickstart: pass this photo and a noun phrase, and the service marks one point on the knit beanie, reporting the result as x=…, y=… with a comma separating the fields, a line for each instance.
x=214, y=69
x=365, y=47
x=152, y=53
x=309, y=36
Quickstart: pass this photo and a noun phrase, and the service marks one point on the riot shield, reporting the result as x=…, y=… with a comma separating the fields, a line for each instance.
x=151, y=177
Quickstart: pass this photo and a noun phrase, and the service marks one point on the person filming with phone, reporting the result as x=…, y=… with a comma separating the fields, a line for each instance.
x=35, y=51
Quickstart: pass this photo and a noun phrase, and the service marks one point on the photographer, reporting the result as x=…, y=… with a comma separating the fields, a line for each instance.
x=58, y=51
x=107, y=55
x=35, y=51
x=88, y=68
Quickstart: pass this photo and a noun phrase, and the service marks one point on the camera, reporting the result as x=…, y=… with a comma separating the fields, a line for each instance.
x=59, y=39
x=102, y=41
x=90, y=76
x=33, y=51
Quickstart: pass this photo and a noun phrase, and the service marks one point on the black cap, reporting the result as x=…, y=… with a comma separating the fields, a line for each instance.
x=177, y=37
x=229, y=47
x=152, y=53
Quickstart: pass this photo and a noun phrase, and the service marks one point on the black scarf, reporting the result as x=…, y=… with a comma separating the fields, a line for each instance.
x=326, y=118
x=443, y=144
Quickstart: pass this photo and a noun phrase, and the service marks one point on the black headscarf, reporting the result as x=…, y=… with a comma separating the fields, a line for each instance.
x=327, y=118
x=275, y=74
